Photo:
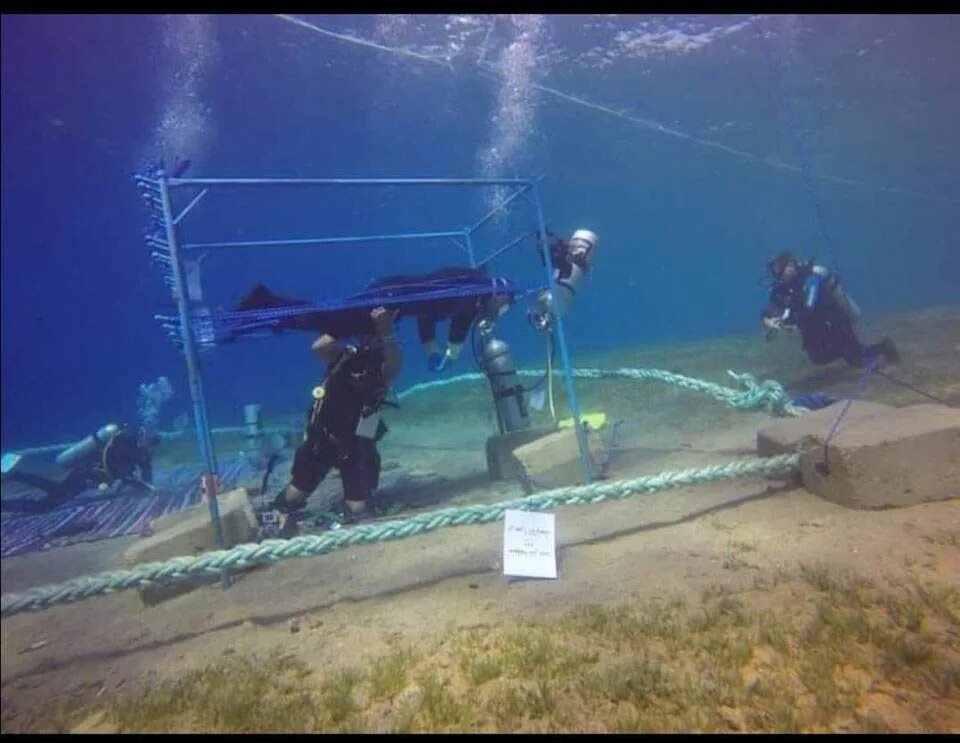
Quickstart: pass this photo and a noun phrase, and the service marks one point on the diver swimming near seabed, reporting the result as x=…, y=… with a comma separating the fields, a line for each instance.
x=809, y=298
x=108, y=459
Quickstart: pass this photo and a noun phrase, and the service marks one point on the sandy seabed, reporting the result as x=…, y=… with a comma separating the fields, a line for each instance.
x=343, y=609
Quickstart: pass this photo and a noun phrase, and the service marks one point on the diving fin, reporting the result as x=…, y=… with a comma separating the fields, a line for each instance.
x=261, y=298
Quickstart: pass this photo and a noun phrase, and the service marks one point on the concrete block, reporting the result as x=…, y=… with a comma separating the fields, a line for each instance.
x=898, y=457
x=190, y=532
x=788, y=435
x=500, y=448
x=553, y=461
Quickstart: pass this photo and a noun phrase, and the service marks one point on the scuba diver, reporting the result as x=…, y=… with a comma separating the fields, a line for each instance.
x=109, y=458
x=461, y=311
x=571, y=260
x=809, y=297
x=344, y=423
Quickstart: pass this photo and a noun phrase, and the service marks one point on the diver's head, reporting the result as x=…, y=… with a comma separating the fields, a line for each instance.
x=783, y=266
x=582, y=245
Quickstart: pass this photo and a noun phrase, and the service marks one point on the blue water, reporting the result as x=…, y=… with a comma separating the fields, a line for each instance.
x=682, y=154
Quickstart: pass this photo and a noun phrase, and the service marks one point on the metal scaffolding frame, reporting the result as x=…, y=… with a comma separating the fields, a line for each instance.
x=172, y=254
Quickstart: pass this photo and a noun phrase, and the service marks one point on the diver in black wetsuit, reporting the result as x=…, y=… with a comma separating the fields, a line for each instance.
x=113, y=456
x=461, y=311
x=344, y=424
x=810, y=298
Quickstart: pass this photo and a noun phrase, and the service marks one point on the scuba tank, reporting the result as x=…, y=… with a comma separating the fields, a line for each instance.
x=508, y=394
x=87, y=448
x=557, y=303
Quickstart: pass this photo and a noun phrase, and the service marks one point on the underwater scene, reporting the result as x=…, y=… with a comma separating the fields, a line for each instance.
x=480, y=373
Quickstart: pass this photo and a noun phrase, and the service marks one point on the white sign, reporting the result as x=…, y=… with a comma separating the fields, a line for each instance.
x=529, y=544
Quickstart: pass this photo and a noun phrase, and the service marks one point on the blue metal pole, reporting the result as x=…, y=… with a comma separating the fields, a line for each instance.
x=204, y=437
x=469, y=241
x=321, y=240
x=507, y=247
x=489, y=215
x=564, y=353
x=188, y=207
x=462, y=246
x=177, y=182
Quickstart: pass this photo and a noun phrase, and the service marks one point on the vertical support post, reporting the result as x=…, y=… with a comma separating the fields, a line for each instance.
x=204, y=437
x=469, y=242
x=574, y=406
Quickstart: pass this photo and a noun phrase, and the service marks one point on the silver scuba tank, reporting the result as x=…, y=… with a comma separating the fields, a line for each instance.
x=508, y=393
x=557, y=303
x=87, y=448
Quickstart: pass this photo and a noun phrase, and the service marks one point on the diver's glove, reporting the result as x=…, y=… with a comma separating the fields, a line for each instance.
x=772, y=324
x=436, y=362
x=779, y=323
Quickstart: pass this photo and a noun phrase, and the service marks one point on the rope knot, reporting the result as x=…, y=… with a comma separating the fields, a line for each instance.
x=768, y=394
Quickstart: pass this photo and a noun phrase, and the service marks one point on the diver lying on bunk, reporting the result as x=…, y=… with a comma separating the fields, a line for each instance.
x=108, y=460
x=459, y=294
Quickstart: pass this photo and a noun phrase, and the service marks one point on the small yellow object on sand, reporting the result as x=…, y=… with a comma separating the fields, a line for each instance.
x=593, y=421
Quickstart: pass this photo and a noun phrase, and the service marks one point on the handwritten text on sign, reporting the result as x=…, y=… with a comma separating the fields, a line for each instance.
x=529, y=544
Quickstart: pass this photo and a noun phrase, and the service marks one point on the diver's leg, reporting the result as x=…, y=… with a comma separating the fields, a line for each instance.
x=33, y=480
x=59, y=484
x=460, y=325
x=427, y=331
x=889, y=350
x=146, y=468
x=842, y=302
x=816, y=342
x=843, y=318
x=360, y=473
x=311, y=463
x=56, y=493
x=858, y=355
x=871, y=353
x=853, y=351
